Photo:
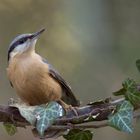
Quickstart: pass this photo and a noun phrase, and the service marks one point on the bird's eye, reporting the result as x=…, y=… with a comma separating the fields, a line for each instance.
x=21, y=41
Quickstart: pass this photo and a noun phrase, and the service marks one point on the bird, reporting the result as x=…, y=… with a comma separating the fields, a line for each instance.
x=34, y=79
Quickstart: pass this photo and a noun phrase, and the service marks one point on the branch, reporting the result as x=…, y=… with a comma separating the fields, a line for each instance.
x=101, y=109
x=98, y=110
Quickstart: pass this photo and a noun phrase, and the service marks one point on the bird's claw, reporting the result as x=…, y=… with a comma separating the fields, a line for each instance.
x=11, y=102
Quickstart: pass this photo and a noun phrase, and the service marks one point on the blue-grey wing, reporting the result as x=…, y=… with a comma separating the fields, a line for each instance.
x=68, y=95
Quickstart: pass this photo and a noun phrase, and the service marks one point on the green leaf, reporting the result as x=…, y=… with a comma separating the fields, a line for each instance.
x=132, y=92
x=138, y=64
x=122, y=119
x=10, y=128
x=46, y=115
x=77, y=134
x=129, y=84
x=27, y=112
x=122, y=91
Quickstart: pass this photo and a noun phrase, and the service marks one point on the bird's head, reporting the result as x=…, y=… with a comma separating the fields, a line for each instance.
x=23, y=43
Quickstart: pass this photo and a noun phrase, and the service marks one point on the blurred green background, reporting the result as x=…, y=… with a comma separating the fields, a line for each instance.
x=92, y=43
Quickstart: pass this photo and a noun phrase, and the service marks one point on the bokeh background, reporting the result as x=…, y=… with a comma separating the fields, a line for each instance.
x=93, y=43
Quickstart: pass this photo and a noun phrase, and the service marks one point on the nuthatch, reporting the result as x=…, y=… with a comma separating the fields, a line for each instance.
x=34, y=79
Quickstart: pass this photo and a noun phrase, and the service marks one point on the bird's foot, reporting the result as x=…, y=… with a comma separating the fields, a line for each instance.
x=17, y=103
x=74, y=109
x=11, y=102
x=69, y=107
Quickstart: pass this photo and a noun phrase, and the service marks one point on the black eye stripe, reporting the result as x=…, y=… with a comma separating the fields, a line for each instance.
x=14, y=45
x=22, y=40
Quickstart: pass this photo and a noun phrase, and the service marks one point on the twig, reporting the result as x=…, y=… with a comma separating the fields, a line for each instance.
x=79, y=126
x=98, y=113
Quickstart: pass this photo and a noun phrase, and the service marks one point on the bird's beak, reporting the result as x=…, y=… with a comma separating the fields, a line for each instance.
x=37, y=34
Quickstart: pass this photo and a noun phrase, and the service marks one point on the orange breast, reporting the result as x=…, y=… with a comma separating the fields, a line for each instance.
x=31, y=80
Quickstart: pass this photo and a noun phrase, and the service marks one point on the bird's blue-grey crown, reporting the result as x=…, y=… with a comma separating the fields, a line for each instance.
x=20, y=39
x=17, y=41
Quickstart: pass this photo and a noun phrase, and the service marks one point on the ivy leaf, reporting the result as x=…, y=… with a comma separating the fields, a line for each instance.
x=10, y=128
x=122, y=119
x=129, y=84
x=46, y=115
x=132, y=92
x=122, y=91
x=77, y=134
x=27, y=112
x=138, y=64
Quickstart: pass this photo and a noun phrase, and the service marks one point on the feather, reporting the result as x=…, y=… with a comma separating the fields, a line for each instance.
x=68, y=95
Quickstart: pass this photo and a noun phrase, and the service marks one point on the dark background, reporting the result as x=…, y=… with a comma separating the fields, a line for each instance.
x=92, y=43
